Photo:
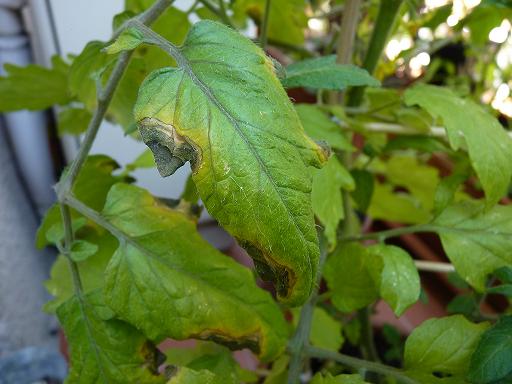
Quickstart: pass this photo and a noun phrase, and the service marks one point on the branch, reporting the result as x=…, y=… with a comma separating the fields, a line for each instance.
x=300, y=339
x=434, y=266
x=354, y=362
x=264, y=25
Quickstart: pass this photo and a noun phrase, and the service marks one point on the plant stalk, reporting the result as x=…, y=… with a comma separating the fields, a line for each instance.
x=300, y=339
x=388, y=11
x=264, y=25
x=354, y=362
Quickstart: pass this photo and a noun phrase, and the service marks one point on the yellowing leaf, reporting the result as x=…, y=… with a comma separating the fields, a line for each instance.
x=191, y=376
x=467, y=124
x=102, y=349
x=225, y=111
x=169, y=282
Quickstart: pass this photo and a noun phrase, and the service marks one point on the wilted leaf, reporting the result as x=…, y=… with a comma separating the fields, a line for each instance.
x=443, y=345
x=169, y=282
x=34, y=87
x=225, y=111
x=325, y=73
x=102, y=349
x=467, y=124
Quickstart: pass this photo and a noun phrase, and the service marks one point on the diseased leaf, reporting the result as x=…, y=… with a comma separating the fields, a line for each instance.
x=73, y=121
x=477, y=242
x=102, y=349
x=225, y=112
x=324, y=73
x=396, y=276
x=491, y=360
x=169, y=282
x=348, y=277
x=443, y=345
x=467, y=124
x=287, y=18
x=319, y=126
x=129, y=39
x=326, y=196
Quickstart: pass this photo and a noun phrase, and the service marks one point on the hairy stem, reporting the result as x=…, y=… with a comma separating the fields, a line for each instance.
x=66, y=250
x=354, y=362
x=264, y=25
x=300, y=339
x=383, y=235
x=388, y=11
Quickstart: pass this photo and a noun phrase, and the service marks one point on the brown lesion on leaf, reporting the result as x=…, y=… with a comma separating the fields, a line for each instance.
x=170, y=149
x=283, y=277
x=250, y=341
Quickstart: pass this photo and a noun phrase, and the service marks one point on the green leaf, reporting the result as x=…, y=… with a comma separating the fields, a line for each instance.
x=325, y=73
x=34, y=87
x=287, y=18
x=279, y=372
x=73, y=121
x=191, y=376
x=102, y=349
x=144, y=160
x=362, y=194
x=319, y=126
x=169, y=282
x=91, y=187
x=396, y=276
x=129, y=39
x=467, y=124
x=60, y=284
x=448, y=187
x=504, y=289
x=418, y=142
x=326, y=197
x=348, y=277
x=249, y=155
x=476, y=241
x=55, y=233
x=325, y=331
x=82, y=250
x=443, y=345
x=504, y=274
x=491, y=360
x=339, y=379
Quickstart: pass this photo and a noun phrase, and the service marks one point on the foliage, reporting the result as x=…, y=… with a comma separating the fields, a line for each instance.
x=294, y=182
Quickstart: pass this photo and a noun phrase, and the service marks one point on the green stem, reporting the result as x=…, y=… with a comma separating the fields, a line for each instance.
x=367, y=344
x=264, y=25
x=66, y=250
x=388, y=11
x=354, y=362
x=300, y=339
x=219, y=12
x=383, y=235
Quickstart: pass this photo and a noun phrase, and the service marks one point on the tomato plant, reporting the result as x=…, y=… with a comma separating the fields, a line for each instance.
x=293, y=183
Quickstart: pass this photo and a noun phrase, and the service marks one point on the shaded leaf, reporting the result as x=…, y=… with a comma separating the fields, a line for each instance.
x=326, y=197
x=82, y=250
x=166, y=280
x=102, y=349
x=443, y=345
x=477, y=242
x=319, y=126
x=491, y=360
x=325, y=73
x=348, y=277
x=362, y=194
x=467, y=124
x=396, y=276
x=225, y=111
x=73, y=121
x=339, y=379
x=34, y=87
